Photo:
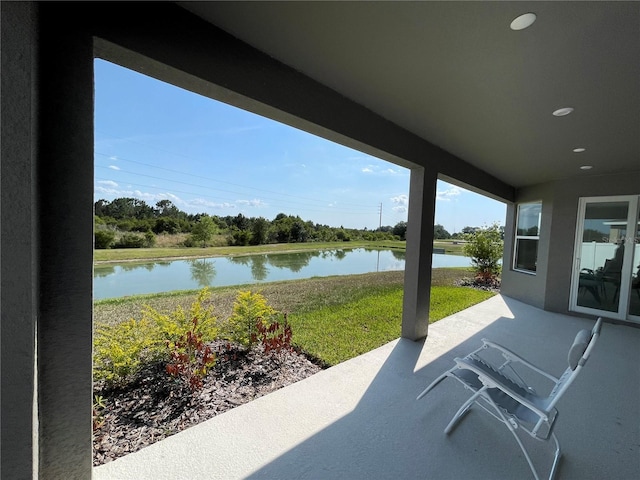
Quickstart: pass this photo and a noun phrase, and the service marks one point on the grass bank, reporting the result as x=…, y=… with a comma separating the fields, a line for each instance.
x=141, y=254
x=332, y=318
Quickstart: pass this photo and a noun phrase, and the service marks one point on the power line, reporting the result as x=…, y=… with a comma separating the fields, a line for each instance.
x=313, y=208
x=216, y=180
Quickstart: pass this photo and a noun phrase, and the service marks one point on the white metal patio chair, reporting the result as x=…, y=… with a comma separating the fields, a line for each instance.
x=501, y=390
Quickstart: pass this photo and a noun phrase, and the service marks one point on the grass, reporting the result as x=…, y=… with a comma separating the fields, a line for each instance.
x=332, y=318
x=132, y=254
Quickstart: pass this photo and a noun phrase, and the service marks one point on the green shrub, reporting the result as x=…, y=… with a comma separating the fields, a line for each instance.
x=485, y=248
x=130, y=240
x=248, y=309
x=121, y=350
x=103, y=238
x=149, y=239
x=172, y=326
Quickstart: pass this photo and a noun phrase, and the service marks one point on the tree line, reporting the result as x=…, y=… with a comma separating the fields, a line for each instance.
x=130, y=222
x=127, y=222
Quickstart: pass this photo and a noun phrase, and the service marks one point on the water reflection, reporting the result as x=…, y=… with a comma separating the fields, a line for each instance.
x=399, y=254
x=116, y=280
x=203, y=271
x=295, y=263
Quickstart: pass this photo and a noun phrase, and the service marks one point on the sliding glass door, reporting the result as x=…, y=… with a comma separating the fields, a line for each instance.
x=606, y=275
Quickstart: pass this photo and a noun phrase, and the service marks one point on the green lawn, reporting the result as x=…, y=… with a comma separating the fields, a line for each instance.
x=332, y=318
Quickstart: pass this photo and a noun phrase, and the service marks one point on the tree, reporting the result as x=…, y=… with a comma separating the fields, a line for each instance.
x=485, y=249
x=400, y=230
x=166, y=208
x=204, y=230
x=440, y=233
x=259, y=231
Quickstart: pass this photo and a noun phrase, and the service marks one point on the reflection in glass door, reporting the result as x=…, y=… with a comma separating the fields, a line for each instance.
x=606, y=249
x=634, y=294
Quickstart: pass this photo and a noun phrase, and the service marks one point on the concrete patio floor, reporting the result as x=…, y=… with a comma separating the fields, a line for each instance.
x=360, y=419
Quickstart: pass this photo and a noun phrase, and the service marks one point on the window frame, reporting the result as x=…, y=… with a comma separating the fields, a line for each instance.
x=518, y=237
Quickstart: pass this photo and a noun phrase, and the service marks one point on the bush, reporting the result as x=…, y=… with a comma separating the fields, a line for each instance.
x=177, y=338
x=485, y=247
x=248, y=309
x=149, y=239
x=174, y=325
x=103, y=238
x=190, y=359
x=121, y=350
x=130, y=240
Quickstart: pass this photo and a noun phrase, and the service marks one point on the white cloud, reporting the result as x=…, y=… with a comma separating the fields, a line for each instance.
x=114, y=167
x=150, y=198
x=114, y=158
x=400, y=200
x=108, y=183
x=381, y=170
x=251, y=203
x=401, y=203
x=449, y=193
x=199, y=202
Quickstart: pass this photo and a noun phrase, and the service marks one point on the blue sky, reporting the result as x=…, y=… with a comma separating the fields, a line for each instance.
x=154, y=141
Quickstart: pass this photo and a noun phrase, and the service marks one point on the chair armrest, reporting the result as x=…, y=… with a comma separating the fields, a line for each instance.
x=493, y=380
x=513, y=357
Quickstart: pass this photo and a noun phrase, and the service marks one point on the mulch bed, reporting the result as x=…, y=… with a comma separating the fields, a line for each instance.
x=153, y=406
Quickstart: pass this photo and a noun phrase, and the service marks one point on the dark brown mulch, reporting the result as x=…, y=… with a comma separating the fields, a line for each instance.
x=154, y=406
x=487, y=284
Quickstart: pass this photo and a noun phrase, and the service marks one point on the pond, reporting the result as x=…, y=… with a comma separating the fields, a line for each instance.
x=122, y=279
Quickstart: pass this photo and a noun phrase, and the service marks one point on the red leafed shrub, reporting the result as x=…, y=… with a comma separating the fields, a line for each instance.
x=190, y=358
x=273, y=336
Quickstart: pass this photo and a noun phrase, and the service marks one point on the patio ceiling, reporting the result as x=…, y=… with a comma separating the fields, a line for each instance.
x=456, y=75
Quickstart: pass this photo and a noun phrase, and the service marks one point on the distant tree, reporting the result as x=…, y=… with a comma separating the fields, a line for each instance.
x=166, y=208
x=440, y=233
x=166, y=224
x=259, y=229
x=204, y=230
x=400, y=230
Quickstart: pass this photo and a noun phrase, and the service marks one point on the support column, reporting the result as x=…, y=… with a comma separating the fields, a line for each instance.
x=18, y=244
x=65, y=235
x=417, y=273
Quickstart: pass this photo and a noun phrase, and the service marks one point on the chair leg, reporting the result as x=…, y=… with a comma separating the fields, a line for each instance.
x=462, y=411
x=433, y=384
x=512, y=429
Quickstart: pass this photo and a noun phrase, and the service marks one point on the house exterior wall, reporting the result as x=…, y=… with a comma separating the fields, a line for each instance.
x=527, y=287
x=18, y=293
x=563, y=229
x=550, y=287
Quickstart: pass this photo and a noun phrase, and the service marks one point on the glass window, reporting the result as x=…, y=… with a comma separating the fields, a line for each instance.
x=527, y=237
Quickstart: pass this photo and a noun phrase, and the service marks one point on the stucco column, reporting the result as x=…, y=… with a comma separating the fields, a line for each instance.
x=18, y=294
x=65, y=236
x=417, y=273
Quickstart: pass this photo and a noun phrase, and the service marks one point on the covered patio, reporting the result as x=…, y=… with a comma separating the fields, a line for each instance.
x=360, y=419
x=543, y=118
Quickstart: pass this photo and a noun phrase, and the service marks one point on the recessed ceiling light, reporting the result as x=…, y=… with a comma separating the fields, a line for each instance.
x=523, y=21
x=561, y=112
x=579, y=150
x=586, y=167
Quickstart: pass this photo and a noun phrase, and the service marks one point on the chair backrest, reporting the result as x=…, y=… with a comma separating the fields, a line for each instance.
x=577, y=358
